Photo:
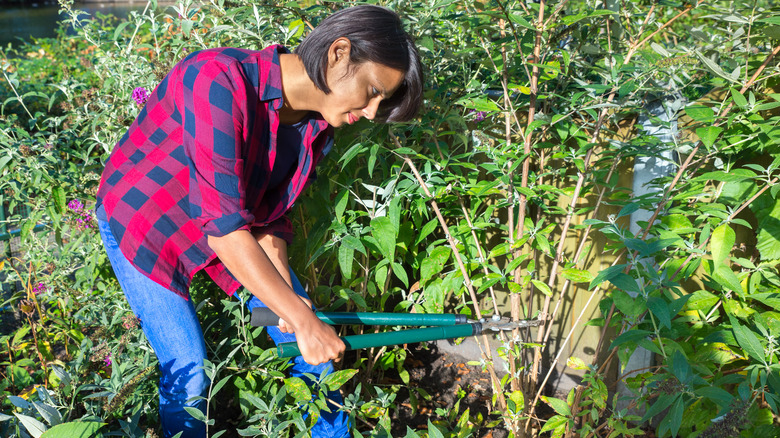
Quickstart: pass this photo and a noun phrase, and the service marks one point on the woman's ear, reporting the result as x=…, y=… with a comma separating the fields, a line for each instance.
x=338, y=52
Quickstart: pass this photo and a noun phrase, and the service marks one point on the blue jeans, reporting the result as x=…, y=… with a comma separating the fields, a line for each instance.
x=173, y=330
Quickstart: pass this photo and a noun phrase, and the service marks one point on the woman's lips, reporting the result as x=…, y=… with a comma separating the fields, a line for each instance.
x=351, y=118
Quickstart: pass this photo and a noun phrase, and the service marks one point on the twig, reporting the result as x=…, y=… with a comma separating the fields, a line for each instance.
x=634, y=47
x=486, y=353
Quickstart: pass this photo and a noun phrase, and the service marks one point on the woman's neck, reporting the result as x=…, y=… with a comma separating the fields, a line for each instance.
x=298, y=90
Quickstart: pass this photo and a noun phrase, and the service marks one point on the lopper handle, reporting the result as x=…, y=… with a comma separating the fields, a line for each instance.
x=290, y=349
x=263, y=316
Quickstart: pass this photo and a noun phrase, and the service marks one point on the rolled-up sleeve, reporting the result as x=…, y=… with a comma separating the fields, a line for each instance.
x=281, y=228
x=214, y=104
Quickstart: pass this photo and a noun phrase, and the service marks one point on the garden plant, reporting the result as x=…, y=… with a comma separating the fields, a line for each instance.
x=502, y=197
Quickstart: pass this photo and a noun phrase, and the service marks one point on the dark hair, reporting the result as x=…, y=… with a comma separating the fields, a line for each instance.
x=376, y=35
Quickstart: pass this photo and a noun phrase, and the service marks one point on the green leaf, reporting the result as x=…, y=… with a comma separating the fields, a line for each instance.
x=660, y=310
x=479, y=104
x=296, y=28
x=632, y=335
x=4, y=161
x=606, y=274
x=628, y=305
x=75, y=429
x=577, y=275
x=33, y=426
x=400, y=272
x=726, y=278
x=433, y=431
x=298, y=389
x=521, y=21
x=568, y=20
x=558, y=405
x=747, y=340
x=50, y=414
x=576, y=363
x=354, y=243
x=680, y=367
x=220, y=384
x=722, y=176
x=196, y=413
x=341, y=203
x=385, y=234
x=721, y=242
x=335, y=380
x=426, y=230
x=767, y=211
x=625, y=282
x=739, y=98
x=770, y=299
x=186, y=26
x=518, y=398
x=663, y=402
x=410, y=433
x=543, y=288
x=119, y=29
x=700, y=113
x=675, y=416
x=543, y=243
x=716, y=353
x=628, y=209
x=709, y=134
x=434, y=263
x=554, y=422
x=351, y=153
x=58, y=196
x=27, y=227
x=715, y=68
x=716, y=394
x=346, y=259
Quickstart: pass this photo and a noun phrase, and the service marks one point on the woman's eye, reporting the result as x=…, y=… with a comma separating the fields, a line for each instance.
x=374, y=91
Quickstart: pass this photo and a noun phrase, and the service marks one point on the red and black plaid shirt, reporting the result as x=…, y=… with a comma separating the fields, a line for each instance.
x=197, y=162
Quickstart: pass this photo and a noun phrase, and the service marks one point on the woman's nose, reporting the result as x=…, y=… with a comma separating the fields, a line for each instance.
x=370, y=110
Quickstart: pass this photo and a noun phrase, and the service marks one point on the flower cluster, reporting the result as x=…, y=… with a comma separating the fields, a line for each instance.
x=101, y=353
x=130, y=322
x=729, y=424
x=140, y=95
x=121, y=397
x=40, y=288
x=478, y=115
x=81, y=216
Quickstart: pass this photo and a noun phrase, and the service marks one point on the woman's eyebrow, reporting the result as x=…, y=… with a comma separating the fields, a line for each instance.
x=383, y=90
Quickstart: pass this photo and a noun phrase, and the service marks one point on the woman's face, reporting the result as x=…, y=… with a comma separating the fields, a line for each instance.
x=356, y=89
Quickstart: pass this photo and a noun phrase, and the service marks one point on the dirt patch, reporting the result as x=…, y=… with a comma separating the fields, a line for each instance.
x=449, y=382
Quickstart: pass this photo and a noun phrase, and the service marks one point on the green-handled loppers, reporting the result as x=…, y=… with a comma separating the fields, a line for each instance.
x=442, y=326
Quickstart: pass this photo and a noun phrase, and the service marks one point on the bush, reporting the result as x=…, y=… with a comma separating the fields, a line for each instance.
x=507, y=186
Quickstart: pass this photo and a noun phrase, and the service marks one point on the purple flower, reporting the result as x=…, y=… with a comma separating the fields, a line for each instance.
x=75, y=205
x=40, y=288
x=479, y=116
x=130, y=322
x=140, y=95
x=80, y=215
x=107, y=360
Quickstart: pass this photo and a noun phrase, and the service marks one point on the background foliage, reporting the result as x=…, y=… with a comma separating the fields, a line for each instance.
x=498, y=199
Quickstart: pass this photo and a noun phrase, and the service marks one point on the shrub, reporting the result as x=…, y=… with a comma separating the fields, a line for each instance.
x=507, y=187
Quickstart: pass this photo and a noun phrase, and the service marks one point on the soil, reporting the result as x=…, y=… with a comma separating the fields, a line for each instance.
x=439, y=375
x=443, y=377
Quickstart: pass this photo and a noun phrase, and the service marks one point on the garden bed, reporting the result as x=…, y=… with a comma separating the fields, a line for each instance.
x=449, y=381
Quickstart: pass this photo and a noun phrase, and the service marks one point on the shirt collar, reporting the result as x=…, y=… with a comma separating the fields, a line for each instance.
x=272, y=87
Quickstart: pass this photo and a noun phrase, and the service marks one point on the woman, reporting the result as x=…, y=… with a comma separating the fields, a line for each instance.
x=204, y=176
